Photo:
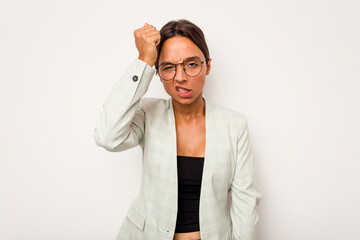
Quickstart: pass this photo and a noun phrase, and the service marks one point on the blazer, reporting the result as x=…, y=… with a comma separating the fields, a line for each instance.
x=128, y=119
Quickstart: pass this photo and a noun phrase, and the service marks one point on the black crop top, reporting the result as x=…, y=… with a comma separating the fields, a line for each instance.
x=189, y=185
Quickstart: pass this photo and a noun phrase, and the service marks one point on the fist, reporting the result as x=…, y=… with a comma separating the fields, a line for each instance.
x=146, y=40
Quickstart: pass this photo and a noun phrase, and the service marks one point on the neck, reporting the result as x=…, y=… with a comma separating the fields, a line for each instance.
x=190, y=111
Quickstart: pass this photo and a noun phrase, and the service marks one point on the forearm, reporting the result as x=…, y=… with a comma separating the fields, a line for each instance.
x=119, y=126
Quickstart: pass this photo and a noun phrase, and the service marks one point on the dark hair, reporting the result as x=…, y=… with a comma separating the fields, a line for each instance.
x=184, y=28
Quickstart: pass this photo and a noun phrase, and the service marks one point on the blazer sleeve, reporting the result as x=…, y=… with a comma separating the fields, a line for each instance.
x=245, y=192
x=121, y=123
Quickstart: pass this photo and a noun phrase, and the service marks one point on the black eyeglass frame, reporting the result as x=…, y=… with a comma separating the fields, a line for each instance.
x=182, y=63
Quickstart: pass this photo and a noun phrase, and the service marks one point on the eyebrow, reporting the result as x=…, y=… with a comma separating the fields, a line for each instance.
x=189, y=58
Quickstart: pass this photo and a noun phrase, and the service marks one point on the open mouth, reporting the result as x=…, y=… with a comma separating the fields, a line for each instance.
x=181, y=89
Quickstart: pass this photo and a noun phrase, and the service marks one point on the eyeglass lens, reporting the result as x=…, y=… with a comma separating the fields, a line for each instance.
x=192, y=68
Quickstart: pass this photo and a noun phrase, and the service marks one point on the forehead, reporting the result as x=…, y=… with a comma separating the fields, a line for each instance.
x=176, y=49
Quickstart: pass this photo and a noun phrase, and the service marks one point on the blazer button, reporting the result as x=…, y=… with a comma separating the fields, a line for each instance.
x=135, y=78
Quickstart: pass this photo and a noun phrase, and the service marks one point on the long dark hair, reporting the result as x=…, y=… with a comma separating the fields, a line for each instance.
x=184, y=28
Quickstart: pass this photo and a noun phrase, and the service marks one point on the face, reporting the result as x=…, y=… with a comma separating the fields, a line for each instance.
x=177, y=50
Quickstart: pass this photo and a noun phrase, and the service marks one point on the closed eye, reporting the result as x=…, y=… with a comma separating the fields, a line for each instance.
x=167, y=68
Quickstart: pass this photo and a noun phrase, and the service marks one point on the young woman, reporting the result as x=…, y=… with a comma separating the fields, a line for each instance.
x=196, y=154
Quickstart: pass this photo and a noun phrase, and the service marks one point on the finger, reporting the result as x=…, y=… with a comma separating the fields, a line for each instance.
x=148, y=29
x=154, y=39
x=152, y=35
x=149, y=34
x=144, y=27
x=147, y=25
x=157, y=41
x=140, y=31
x=155, y=34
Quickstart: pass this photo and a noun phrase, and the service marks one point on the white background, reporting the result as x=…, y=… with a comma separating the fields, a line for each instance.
x=292, y=67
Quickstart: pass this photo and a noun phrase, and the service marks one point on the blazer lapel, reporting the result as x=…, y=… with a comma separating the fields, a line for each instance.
x=212, y=151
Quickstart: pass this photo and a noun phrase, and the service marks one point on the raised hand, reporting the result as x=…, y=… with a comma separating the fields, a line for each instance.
x=146, y=40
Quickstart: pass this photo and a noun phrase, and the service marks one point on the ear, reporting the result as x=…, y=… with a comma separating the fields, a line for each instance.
x=208, y=66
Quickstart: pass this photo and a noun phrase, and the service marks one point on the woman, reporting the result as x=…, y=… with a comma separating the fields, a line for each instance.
x=196, y=155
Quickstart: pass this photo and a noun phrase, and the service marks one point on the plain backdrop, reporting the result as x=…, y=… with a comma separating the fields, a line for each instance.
x=292, y=67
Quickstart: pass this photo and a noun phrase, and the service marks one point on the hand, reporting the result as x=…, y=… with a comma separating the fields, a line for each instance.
x=146, y=40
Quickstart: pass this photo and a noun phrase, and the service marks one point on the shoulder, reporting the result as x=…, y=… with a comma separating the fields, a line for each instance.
x=231, y=117
x=153, y=105
x=151, y=102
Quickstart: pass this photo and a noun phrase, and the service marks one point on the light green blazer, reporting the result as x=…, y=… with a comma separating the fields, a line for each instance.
x=128, y=119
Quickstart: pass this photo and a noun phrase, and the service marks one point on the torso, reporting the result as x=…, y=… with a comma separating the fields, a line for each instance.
x=190, y=136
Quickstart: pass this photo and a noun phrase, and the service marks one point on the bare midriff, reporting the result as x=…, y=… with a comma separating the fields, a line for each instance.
x=187, y=236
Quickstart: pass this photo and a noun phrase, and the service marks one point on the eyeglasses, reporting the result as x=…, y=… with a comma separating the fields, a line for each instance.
x=192, y=67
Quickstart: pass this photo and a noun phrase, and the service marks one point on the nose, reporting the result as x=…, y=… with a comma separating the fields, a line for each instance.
x=180, y=74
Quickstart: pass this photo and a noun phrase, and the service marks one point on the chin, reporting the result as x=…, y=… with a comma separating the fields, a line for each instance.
x=181, y=100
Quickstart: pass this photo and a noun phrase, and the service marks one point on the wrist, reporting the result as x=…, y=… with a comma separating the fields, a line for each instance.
x=147, y=61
